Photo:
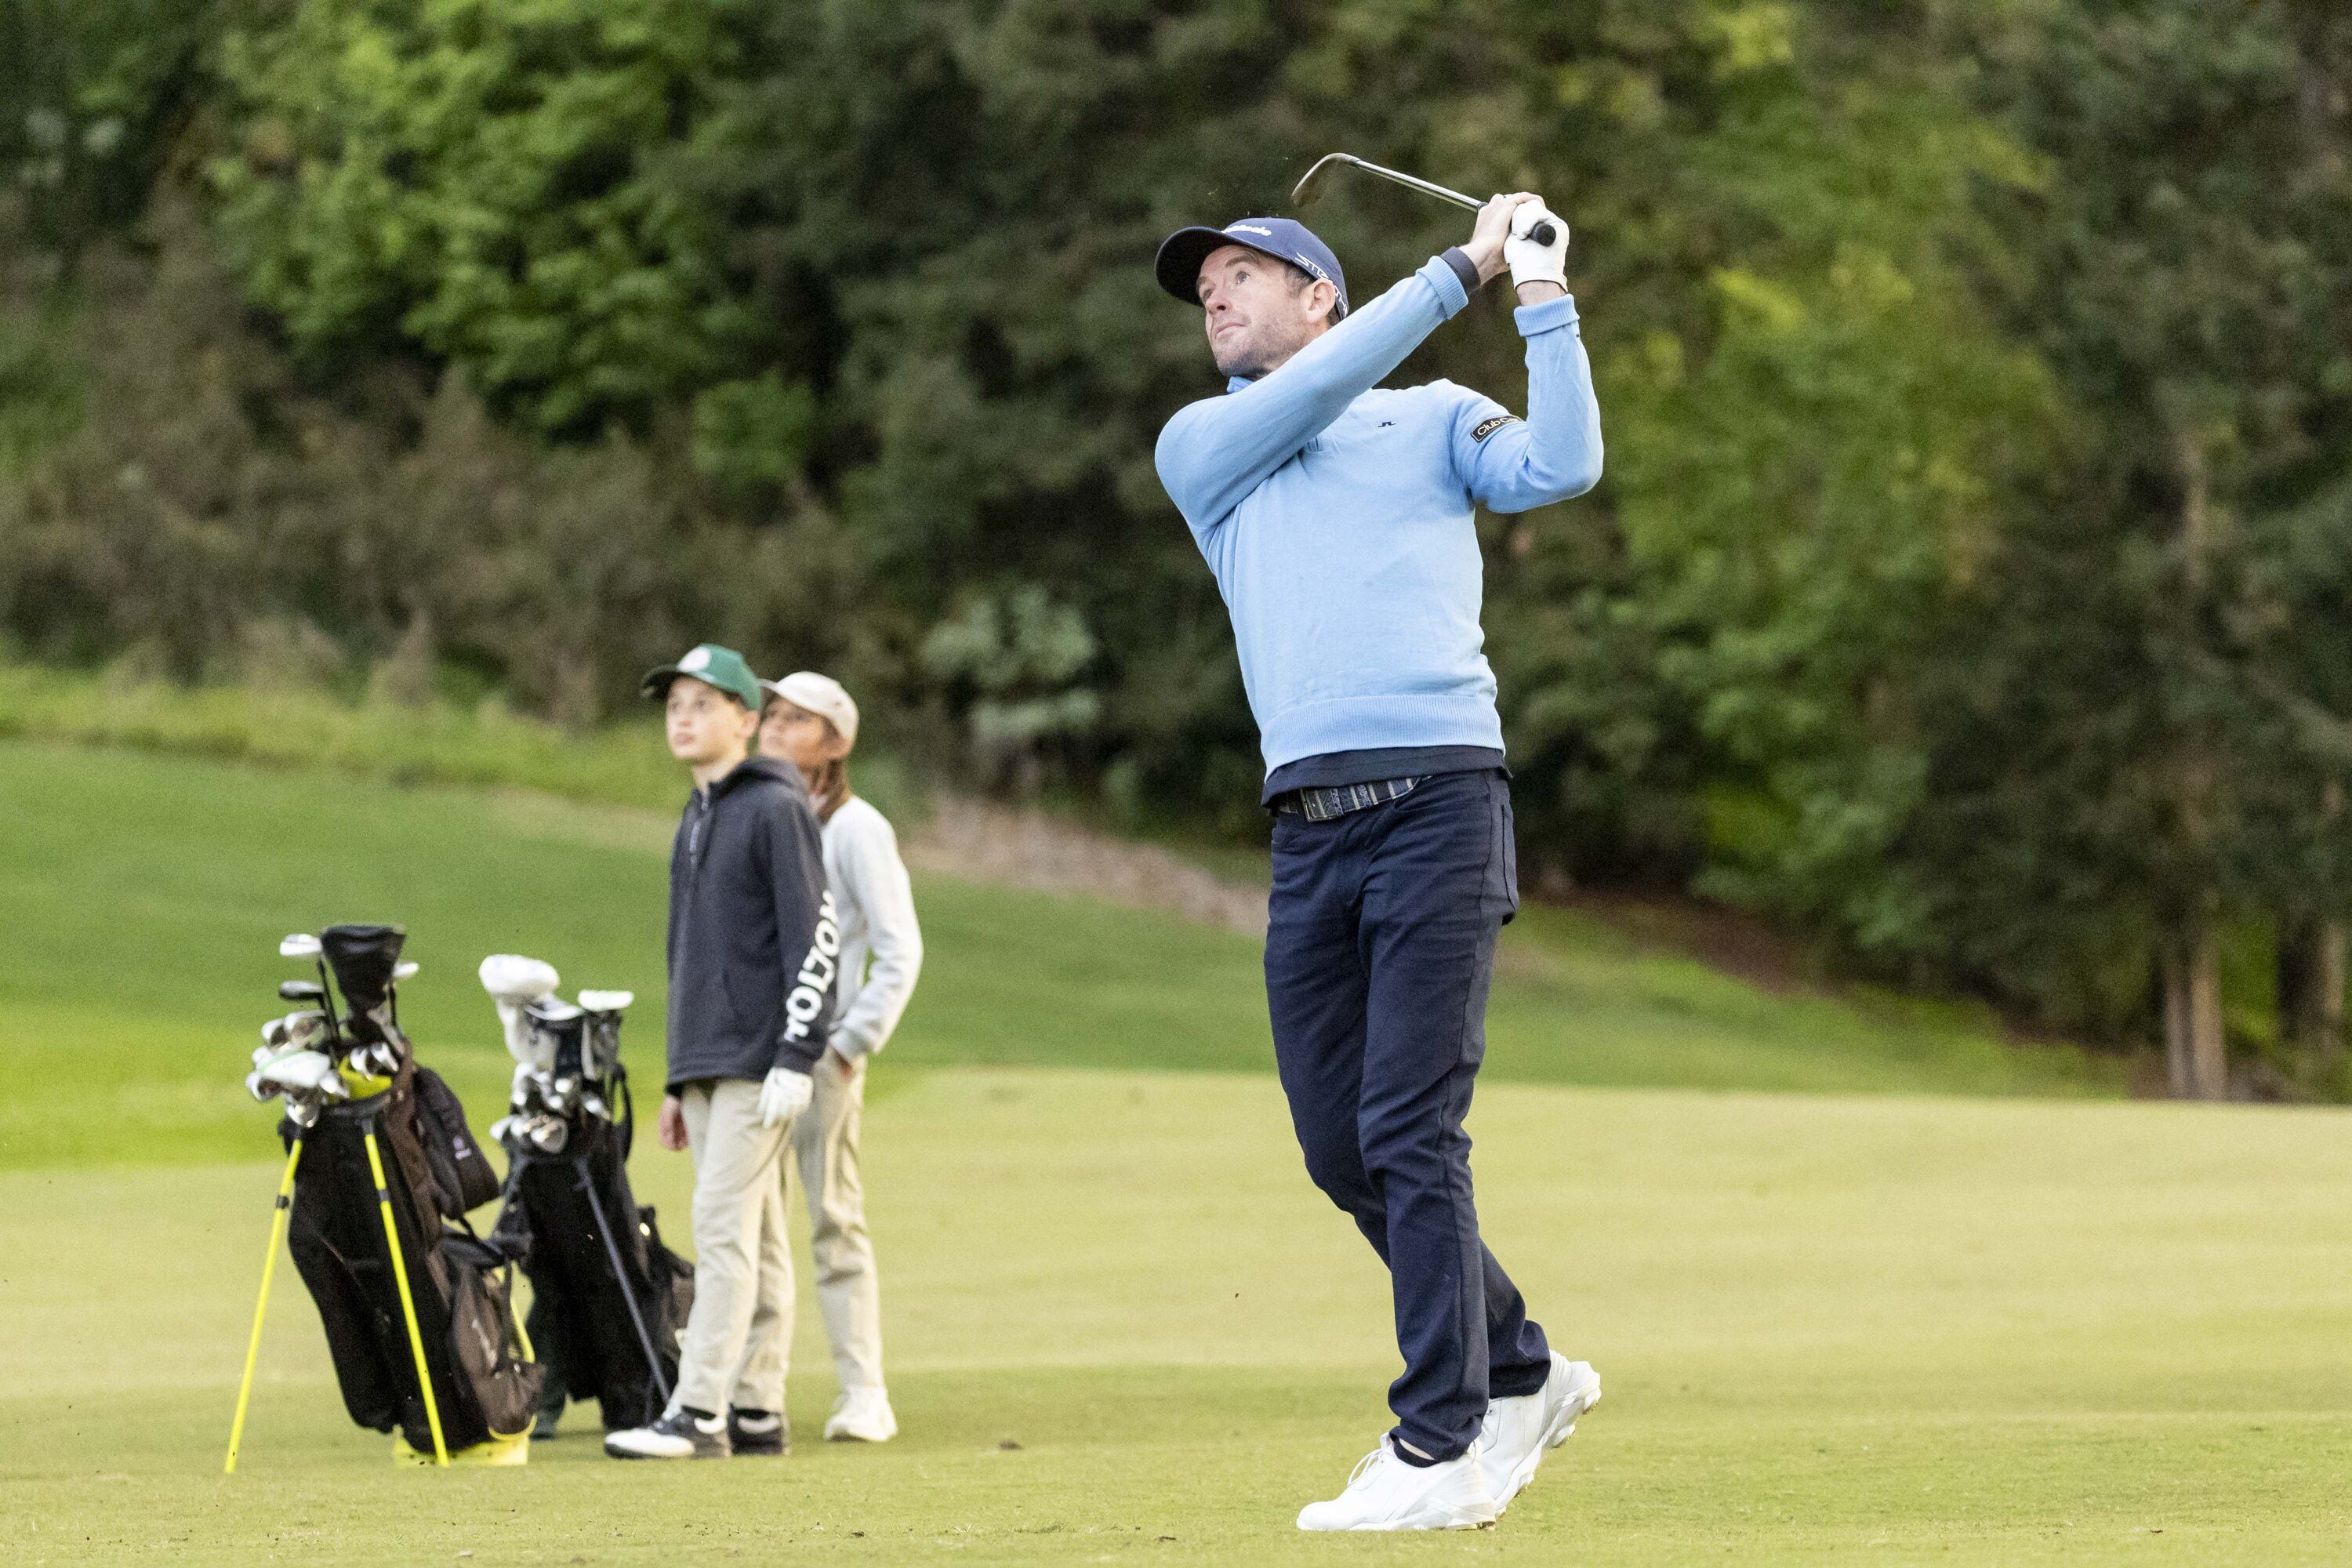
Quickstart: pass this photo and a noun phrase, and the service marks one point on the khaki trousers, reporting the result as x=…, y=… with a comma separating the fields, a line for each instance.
x=742, y=1325
x=824, y=1148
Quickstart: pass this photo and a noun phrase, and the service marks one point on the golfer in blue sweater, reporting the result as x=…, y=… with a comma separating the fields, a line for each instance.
x=1339, y=519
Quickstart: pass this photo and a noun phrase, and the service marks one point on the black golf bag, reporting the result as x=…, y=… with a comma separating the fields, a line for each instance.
x=432, y=1172
x=609, y=1300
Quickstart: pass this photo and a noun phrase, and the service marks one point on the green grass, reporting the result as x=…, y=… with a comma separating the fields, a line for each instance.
x=1871, y=1331
x=1913, y=1327
x=301, y=729
x=142, y=897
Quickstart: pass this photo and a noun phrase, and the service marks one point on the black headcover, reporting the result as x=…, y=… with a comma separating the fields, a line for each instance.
x=362, y=958
x=563, y=1026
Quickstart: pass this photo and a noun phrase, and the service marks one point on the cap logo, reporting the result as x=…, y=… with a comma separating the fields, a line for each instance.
x=1308, y=262
x=698, y=660
x=1248, y=228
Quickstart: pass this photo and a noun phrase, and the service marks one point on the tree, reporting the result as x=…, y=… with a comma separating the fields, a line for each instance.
x=2190, y=282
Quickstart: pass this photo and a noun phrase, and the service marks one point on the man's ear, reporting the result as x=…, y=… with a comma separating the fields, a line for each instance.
x=1323, y=302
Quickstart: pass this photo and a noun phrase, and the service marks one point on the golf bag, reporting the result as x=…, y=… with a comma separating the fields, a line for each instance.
x=609, y=1300
x=397, y=1140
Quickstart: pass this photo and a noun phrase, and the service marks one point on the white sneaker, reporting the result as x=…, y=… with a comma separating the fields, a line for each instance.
x=862, y=1415
x=1517, y=1432
x=1386, y=1493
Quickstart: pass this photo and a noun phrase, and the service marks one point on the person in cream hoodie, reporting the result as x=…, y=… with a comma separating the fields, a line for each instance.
x=812, y=723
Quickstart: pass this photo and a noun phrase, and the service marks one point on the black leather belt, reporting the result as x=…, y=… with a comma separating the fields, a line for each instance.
x=1321, y=803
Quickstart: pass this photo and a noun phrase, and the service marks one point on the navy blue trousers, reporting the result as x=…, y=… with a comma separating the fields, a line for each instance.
x=1379, y=951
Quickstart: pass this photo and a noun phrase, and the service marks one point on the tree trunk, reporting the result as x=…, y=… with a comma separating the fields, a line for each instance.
x=2196, y=1057
x=2311, y=993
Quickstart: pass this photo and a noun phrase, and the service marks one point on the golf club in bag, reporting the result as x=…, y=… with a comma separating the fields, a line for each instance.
x=381, y=1172
x=609, y=1301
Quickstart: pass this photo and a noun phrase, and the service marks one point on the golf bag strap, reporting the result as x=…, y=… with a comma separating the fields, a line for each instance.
x=628, y=1111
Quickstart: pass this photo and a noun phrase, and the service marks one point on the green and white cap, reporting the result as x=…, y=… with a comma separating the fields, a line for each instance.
x=720, y=667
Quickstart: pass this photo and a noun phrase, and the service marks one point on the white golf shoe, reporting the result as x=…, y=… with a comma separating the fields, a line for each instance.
x=1518, y=1432
x=862, y=1415
x=1386, y=1493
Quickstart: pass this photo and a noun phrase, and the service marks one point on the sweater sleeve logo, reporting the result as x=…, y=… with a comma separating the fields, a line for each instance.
x=1489, y=427
x=807, y=998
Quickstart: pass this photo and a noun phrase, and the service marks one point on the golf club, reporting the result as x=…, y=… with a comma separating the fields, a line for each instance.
x=400, y=972
x=301, y=990
x=1311, y=183
x=302, y=944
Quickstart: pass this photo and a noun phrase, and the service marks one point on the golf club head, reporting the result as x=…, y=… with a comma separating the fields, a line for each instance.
x=301, y=944
x=1312, y=183
x=301, y=990
x=606, y=1001
x=403, y=969
x=307, y=1072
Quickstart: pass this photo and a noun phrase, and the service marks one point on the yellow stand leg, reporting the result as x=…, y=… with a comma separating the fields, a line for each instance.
x=408, y=1304
x=261, y=1308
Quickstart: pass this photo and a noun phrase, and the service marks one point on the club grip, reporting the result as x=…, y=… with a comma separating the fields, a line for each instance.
x=1543, y=234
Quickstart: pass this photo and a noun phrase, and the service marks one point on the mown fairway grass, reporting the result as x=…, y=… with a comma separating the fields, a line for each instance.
x=1915, y=1327
x=1832, y=1329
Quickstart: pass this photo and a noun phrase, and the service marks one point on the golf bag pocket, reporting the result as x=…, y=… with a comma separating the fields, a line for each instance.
x=459, y=1168
x=672, y=1282
x=484, y=1346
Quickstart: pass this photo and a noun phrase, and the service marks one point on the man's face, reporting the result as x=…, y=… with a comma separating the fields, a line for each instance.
x=704, y=724
x=1257, y=313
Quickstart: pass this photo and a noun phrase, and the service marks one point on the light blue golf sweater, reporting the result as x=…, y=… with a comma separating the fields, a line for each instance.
x=1339, y=519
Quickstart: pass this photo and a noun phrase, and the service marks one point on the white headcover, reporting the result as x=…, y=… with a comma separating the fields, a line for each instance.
x=514, y=982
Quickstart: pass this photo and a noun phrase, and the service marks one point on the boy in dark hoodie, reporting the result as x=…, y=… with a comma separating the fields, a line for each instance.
x=752, y=948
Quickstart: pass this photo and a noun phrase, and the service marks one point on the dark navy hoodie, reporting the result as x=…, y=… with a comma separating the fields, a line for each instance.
x=752, y=940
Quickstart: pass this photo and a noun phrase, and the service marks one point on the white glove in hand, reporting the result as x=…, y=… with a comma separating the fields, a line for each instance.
x=1530, y=262
x=785, y=1094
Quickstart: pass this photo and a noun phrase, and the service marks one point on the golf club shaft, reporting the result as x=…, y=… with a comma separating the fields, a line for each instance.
x=1542, y=233
x=261, y=1308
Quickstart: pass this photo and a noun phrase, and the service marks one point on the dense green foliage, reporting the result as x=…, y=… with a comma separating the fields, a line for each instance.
x=1965, y=588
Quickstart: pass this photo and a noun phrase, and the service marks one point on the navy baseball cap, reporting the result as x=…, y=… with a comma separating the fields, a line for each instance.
x=1285, y=239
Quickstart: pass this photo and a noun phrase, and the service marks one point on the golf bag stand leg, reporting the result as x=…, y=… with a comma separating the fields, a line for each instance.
x=261, y=1307
x=621, y=1278
x=407, y=1303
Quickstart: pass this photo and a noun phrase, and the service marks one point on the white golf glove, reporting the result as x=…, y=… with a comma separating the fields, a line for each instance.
x=785, y=1094
x=1530, y=262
